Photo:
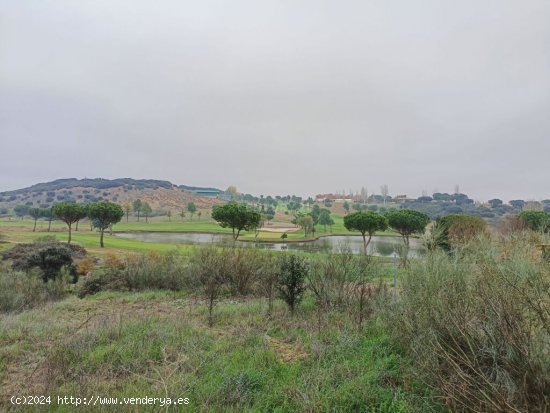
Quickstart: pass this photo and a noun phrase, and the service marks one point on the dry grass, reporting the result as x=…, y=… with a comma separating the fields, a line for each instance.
x=155, y=343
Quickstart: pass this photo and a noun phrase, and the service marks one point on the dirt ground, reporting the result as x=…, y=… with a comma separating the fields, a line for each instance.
x=280, y=227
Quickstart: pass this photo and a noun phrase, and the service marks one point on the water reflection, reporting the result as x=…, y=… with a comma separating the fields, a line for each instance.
x=379, y=246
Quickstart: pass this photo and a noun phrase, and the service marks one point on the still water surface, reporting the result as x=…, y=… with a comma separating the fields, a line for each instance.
x=379, y=246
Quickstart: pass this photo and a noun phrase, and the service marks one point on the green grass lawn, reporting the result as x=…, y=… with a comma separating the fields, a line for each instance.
x=90, y=240
x=156, y=224
x=162, y=224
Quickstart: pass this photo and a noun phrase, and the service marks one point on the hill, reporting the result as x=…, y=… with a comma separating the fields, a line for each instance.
x=161, y=195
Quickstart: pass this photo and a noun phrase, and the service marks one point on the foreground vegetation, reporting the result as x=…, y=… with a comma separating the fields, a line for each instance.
x=158, y=344
x=466, y=329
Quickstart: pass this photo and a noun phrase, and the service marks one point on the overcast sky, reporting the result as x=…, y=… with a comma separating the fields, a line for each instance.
x=282, y=96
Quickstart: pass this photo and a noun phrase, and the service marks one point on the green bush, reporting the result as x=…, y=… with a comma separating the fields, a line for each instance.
x=47, y=254
x=292, y=274
x=536, y=220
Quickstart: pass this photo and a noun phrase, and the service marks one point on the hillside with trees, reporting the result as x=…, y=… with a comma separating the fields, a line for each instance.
x=159, y=195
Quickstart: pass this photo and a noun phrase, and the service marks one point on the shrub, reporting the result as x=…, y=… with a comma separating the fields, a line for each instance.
x=536, y=220
x=102, y=281
x=209, y=268
x=47, y=254
x=267, y=281
x=330, y=277
x=85, y=266
x=155, y=271
x=20, y=291
x=50, y=259
x=239, y=268
x=113, y=261
x=434, y=237
x=477, y=325
x=292, y=274
x=457, y=229
x=243, y=266
x=138, y=273
x=510, y=225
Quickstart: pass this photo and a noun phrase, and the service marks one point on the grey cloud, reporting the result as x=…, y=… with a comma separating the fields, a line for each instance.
x=279, y=96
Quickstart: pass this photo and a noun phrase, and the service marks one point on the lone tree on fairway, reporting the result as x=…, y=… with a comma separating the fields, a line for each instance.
x=48, y=213
x=146, y=210
x=35, y=213
x=290, y=284
x=191, y=208
x=407, y=222
x=127, y=208
x=69, y=213
x=137, y=204
x=236, y=216
x=104, y=214
x=346, y=206
x=325, y=219
x=366, y=223
x=315, y=215
x=169, y=215
x=305, y=221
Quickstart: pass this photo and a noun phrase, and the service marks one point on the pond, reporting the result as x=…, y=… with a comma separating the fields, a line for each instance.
x=379, y=246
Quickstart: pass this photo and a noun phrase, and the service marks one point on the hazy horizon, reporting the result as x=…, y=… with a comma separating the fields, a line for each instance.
x=279, y=97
